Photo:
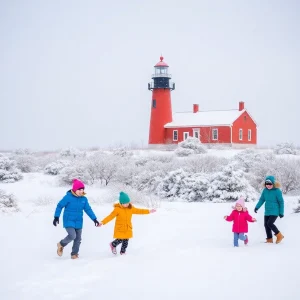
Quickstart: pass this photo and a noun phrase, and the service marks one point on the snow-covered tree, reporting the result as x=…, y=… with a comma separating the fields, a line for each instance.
x=78, y=170
x=56, y=167
x=122, y=152
x=24, y=151
x=147, y=181
x=8, y=171
x=287, y=171
x=8, y=202
x=190, y=146
x=285, y=148
x=297, y=209
x=180, y=185
x=229, y=185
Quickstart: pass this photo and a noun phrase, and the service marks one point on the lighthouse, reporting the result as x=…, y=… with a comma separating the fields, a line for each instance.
x=161, y=105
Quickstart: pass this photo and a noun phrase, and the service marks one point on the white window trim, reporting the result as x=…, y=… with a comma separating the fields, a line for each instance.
x=212, y=133
x=249, y=135
x=240, y=134
x=175, y=140
x=186, y=132
x=196, y=130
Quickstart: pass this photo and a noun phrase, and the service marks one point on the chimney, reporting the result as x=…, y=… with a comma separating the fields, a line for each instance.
x=241, y=105
x=195, y=108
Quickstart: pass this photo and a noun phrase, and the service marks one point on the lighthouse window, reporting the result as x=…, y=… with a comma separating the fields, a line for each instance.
x=153, y=103
x=175, y=135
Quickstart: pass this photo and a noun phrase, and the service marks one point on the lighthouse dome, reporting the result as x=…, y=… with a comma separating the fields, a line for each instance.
x=161, y=63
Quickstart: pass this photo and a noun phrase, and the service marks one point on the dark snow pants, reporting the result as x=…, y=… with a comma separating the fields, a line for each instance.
x=73, y=235
x=124, y=242
x=269, y=226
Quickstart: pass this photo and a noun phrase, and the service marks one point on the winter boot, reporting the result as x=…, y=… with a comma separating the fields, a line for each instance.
x=279, y=237
x=269, y=241
x=60, y=249
x=246, y=241
x=75, y=256
x=113, y=249
x=122, y=253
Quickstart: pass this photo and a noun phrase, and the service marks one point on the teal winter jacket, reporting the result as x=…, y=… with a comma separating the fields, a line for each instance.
x=274, y=204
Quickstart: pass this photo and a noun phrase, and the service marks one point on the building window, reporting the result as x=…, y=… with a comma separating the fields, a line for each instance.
x=175, y=135
x=153, y=103
x=249, y=135
x=215, y=134
x=185, y=135
x=196, y=133
x=241, y=134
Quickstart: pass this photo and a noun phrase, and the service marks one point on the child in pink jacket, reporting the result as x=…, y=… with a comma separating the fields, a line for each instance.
x=240, y=218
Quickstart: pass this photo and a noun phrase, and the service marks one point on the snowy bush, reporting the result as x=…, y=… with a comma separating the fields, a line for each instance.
x=72, y=153
x=25, y=163
x=126, y=174
x=190, y=143
x=8, y=171
x=203, y=164
x=297, y=209
x=180, y=185
x=23, y=152
x=55, y=168
x=45, y=201
x=287, y=172
x=78, y=171
x=122, y=152
x=230, y=185
x=147, y=181
x=8, y=202
x=285, y=148
x=182, y=152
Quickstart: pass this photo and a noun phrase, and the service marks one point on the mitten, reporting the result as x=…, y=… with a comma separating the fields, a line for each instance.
x=281, y=216
x=55, y=221
x=96, y=223
x=255, y=210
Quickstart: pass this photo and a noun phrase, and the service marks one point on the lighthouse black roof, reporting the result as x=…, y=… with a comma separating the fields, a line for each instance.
x=161, y=63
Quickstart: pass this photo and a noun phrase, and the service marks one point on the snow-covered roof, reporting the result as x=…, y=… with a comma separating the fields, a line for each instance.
x=204, y=118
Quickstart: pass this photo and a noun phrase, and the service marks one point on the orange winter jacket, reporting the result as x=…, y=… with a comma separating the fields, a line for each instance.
x=123, y=215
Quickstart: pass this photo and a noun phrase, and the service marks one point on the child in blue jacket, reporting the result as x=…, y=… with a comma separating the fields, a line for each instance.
x=74, y=203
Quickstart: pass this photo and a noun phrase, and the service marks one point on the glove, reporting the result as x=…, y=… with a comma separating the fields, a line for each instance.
x=55, y=221
x=96, y=223
x=281, y=216
x=255, y=210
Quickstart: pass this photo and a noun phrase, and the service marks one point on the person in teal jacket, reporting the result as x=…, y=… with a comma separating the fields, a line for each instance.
x=74, y=203
x=274, y=207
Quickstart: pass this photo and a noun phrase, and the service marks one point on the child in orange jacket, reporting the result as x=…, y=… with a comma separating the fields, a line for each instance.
x=123, y=212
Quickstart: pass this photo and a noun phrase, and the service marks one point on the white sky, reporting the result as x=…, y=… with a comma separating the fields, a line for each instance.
x=75, y=73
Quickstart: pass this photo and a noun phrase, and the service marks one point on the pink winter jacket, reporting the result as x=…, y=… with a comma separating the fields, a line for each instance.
x=240, y=221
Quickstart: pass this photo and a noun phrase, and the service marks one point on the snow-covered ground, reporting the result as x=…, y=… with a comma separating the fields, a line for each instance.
x=183, y=251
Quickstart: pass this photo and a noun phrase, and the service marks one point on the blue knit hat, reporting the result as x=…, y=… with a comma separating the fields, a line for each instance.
x=270, y=179
x=124, y=198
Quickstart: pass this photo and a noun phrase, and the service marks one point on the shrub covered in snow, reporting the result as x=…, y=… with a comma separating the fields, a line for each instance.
x=180, y=185
x=56, y=167
x=229, y=185
x=285, y=148
x=72, y=153
x=68, y=174
x=122, y=152
x=297, y=209
x=147, y=181
x=8, y=202
x=190, y=146
x=25, y=163
x=25, y=151
x=8, y=171
x=287, y=172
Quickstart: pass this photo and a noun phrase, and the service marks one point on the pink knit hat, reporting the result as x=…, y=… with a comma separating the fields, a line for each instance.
x=77, y=185
x=241, y=202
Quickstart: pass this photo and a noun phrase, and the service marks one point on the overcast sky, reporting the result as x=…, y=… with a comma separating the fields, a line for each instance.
x=75, y=73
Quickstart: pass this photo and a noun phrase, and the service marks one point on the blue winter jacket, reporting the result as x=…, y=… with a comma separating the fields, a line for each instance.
x=73, y=210
x=274, y=204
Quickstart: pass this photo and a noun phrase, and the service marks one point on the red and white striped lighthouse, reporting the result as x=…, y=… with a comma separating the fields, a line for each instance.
x=161, y=106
